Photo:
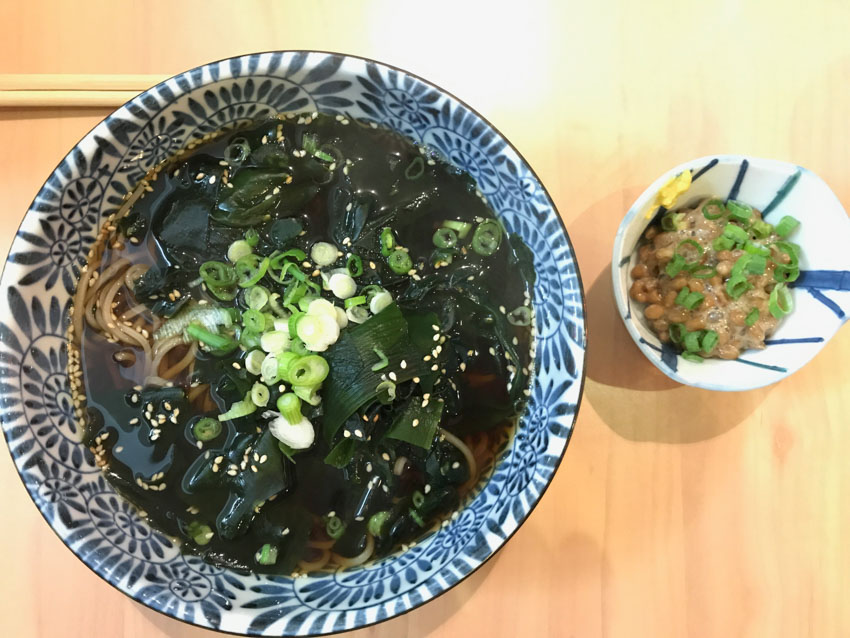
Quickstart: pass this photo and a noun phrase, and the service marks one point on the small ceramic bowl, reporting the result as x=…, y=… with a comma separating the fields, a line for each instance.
x=104, y=530
x=821, y=294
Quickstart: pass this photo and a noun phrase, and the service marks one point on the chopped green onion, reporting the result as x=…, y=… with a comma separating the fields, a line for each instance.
x=206, y=429
x=417, y=517
x=786, y=226
x=217, y=274
x=520, y=316
x=709, y=341
x=677, y=332
x=444, y=238
x=689, y=242
x=722, y=243
x=752, y=317
x=673, y=221
x=715, y=205
x=239, y=409
x=310, y=142
x=250, y=269
x=703, y=272
x=323, y=254
x=693, y=358
x=400, y=262
x=308, y=371
x=249, y=339
x=269, y=368
x=238, y=249
x=790, y=249
x=254, y=361
x=735, y=233
x=380, y=301
x=780, y=302
x=200, y=533
x=334, y=527
x=675, y=266
x=252, y=237
x=256, y=297
x=386, y=392
x=683, y=294
x=415, y=169
x=354, y=265
x=267, y=555
x=756, y=249
x=756, y=265
x=274, y=341
x=784, y=274
x=357, y=314
x=355, y=301
x=737, y=286
x=418, y=499
x=293, y=322
x=693, y=300
x=214, y=341
x=387, y=241
x=739, y=211
x=253, y=320
x=377, y=521
x=691, y=341
x=487, y=238
x=259, y=395
x=741, y=265
x=761, y=229
x=289, y=405
x=461, y=228
x=284, y=363
x=307, y=393
x=342, y=285
x=442, y=257
x=383, y=362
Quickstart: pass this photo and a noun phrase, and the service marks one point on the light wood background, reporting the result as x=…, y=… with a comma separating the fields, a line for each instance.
x=676, y=512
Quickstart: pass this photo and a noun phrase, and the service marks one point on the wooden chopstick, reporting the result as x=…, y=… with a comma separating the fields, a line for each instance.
x=80, y=90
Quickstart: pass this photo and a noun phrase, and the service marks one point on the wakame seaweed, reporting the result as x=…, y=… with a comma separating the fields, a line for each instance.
x=334, y=309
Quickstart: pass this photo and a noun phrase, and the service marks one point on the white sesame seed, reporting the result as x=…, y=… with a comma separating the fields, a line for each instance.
x=358, y=433
x=346, y=434
x=393, y=376
x=415, y=423
x=436, y=337
x=492, y=351
x=403, y=364
x=435, y=367
x=368, y=466
x=385, y=456
x=427, y=488
x=134, y=420
x=236, y=365
x=264, y=458
x=427, y=357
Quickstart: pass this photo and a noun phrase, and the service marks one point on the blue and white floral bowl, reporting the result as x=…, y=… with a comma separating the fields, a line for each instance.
x=104, y=530
x=821, y=294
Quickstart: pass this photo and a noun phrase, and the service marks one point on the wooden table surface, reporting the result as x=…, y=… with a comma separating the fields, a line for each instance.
x=676, y=512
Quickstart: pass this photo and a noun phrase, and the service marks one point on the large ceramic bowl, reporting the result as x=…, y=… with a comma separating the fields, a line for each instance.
x=821, y=294
x=101, y=528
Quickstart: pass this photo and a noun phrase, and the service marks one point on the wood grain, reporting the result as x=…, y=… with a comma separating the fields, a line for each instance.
x=676, y=512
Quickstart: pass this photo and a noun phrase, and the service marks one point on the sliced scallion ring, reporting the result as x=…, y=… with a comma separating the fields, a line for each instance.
x=206, y=429
x=713, y=209
x=780, y=302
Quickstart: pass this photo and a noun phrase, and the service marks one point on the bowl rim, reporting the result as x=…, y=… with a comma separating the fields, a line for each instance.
x=641, y=201
x=583, y=359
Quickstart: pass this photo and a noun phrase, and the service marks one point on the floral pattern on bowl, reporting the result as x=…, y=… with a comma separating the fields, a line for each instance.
x=104, y=530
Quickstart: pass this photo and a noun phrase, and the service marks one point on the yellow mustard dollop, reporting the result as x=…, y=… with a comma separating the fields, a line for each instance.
x=670, y=192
